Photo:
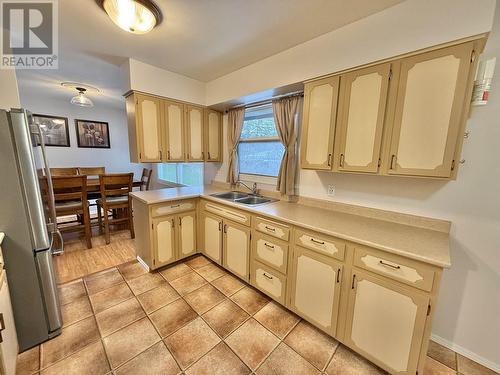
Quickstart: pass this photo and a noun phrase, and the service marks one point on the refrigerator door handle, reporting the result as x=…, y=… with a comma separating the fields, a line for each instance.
x=48, y=287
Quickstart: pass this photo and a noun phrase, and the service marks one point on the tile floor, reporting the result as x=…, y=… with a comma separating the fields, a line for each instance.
x=193, y=318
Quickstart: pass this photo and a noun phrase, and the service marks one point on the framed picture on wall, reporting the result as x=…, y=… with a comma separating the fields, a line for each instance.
x=92, y=134
x=55, y=129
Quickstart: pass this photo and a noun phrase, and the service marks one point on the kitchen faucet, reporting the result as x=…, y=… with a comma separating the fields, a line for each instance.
x=253, y=189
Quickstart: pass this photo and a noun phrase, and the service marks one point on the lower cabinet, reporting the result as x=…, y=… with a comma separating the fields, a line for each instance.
x=385, y=322
x=315, y=288
x=174, y=237
x=226, y=243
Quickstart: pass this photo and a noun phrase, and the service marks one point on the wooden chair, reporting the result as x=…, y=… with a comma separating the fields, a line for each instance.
x=55, y=172
x=115, y=189
x=70, y=196
x=146, y=179
x=91, y=171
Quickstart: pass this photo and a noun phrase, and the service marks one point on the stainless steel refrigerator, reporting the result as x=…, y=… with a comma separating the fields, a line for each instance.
x=27, y=217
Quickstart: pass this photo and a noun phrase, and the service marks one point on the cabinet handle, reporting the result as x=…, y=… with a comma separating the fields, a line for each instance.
x=208, y=155
x=175, y=206
x=396, y=267
x=269, y=228
x=393, y=159
x=168, y=154
x=203, y=155
x=2, y=322
x=161, y=155
x=173, y=222
x=329, y=160
x=318, y=242
x=269, y=246
x=225, y=228
x=180, y=221
x=220, y=226
x=342, y=160
x=338, y=276
x=266, y=275
x=353, y=281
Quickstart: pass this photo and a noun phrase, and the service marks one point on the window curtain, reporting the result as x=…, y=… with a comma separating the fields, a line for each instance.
x=286, y=121
x=235, y=119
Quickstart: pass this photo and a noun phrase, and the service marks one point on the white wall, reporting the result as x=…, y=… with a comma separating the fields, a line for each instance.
x=408, y=26
x=116, y=159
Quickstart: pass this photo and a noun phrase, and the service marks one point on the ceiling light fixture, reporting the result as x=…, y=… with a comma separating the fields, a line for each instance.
x=80, y=99
x=134, y=16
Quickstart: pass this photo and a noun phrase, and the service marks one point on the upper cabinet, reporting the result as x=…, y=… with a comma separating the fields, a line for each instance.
x=320, y=109
x=362, y=102
x=428, y=111
x=162, y=130
x=402, y=117
x=213, y=135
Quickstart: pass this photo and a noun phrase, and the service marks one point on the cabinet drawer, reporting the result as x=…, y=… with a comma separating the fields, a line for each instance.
x=408, y=271
x=171, y=208
x=272, y=228
x=228, y=213
x=321, y=243
x=270, y=251
x=269, y=281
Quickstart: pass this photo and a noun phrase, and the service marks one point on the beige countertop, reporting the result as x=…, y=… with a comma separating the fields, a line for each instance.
x=421, y=244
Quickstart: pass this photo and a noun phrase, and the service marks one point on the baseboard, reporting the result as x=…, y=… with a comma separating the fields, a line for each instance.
x=143, y=263
x=466, y=353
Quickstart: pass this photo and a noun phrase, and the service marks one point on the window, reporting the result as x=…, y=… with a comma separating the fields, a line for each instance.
x=189, y=174
x=260, y=151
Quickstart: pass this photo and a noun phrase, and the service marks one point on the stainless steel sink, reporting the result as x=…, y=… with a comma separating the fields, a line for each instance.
x=253, y=200
x=231, y=195
x=243, y=198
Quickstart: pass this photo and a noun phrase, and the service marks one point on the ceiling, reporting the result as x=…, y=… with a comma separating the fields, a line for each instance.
x=201, y=39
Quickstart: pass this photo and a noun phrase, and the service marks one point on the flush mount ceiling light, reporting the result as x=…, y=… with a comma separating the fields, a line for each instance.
x=80, y=99
x=134, y=16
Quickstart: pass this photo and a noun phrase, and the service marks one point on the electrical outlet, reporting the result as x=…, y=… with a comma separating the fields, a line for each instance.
x=331, y=190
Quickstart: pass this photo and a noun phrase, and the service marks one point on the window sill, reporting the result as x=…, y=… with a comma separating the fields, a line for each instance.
x=169, y=183
x=260, y=179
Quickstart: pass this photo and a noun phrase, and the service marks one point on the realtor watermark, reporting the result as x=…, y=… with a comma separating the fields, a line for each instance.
x=29, y=37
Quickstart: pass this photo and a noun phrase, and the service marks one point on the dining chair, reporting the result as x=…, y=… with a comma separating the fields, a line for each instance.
x=91, y=171
x=146, y=179
x=70, y=196
x=115, y=199
x=63, y=171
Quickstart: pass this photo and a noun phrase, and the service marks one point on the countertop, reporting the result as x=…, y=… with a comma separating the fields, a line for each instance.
x=421, y=244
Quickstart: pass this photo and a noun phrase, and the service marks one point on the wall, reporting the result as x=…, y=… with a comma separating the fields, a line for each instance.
x=9, y=95
x=408, y=26
x=116, y=159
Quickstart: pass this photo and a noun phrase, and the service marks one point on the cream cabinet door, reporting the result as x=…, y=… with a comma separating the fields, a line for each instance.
x=174, y=131
x=320, y=110
x=237, y=249
x=213, y=136
x=187, y=234
x=385, y=322
x=212, y=236
x=194, y=127
x=148, y=128
x=360, y=122
x=428, y=111
x=9, y=345
x=315, y=292
x=164, y=240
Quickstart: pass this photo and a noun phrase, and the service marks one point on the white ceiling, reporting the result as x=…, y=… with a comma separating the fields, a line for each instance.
x=201, y=39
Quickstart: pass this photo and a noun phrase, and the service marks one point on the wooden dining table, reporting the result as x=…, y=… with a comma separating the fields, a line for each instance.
x=94, y=186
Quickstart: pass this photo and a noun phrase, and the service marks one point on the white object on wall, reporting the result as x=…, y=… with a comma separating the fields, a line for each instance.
x=482, y=83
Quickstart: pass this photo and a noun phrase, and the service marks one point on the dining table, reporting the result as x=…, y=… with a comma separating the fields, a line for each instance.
x=94, y=186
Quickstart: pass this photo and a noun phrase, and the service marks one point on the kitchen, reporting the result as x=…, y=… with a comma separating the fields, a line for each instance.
x=309, y=211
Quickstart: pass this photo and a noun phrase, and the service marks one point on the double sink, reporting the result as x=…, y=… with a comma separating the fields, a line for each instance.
x=243, y=198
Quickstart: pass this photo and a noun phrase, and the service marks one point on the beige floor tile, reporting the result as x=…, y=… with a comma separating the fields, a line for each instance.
x=346, y=361
x=433, y=367
x=219, y=361
x=441, y=354
x=284, y=361
x=188, y=283
x=175, y=271
x=275, y=318
x=75, y=311
x=90, y=360
x=155, y=360
x=228, y=284
x=158, y=297
x=102, y=280
x=71, y=291
x=211, y=272
x=204, y=298
x=118, y=316
x=145, y=282
x=250, y=300
x=72, y=339
x=191, y=342
x=225, y=317
x=28, y=362
x=170, y=318
x=110, y=297
x=198, y=262
x=131, y=270
x=130, y=341
x=312, y=344
x=466, y=366
x=252, y=343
